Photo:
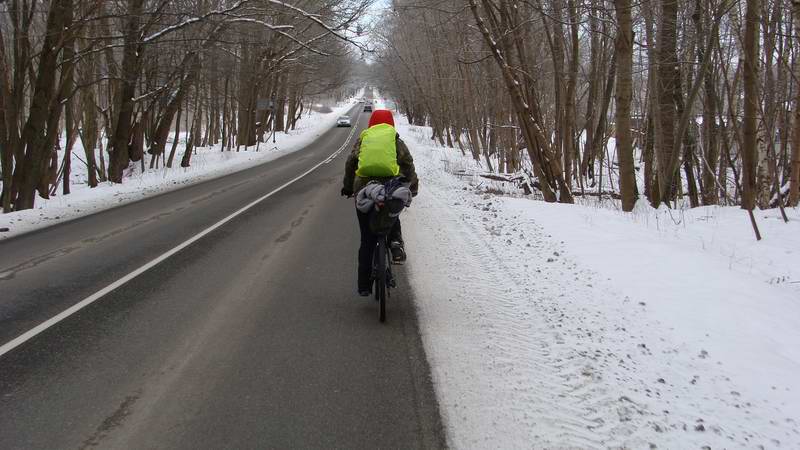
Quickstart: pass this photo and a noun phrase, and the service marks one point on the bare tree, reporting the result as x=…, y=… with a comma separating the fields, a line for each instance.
x=624, y=49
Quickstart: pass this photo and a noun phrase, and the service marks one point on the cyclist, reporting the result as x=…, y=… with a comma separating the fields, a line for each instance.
x=379, y=154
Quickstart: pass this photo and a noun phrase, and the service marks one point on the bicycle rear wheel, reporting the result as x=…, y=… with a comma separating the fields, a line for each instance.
x=382, y=301
x=380, y=279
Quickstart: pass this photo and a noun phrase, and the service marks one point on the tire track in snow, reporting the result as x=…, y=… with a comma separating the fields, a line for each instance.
x=529, y=348
x=513, y=335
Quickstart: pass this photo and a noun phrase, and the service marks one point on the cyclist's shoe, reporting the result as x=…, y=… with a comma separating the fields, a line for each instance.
x=364, y=292
x=398, y=252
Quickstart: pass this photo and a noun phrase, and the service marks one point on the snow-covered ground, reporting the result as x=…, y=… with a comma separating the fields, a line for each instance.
x=207, y=163
x=552, y=325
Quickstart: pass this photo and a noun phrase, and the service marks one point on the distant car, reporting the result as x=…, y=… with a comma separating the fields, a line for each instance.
x=343, y=121
x=367, y=108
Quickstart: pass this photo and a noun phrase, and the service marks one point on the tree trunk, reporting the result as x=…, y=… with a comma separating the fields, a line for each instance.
x=279, y=111
x=624, y=50
x=651, y=127
x=131, y=62
x=689, y=148
x=666, y=86
x=176, y=139
x=8, y=127
x=595, y=77
x=710, y=146
x=750, y=120
x=35, y=133
x=570, y=147
x=225, y=116
x=193, y=131
x=794, y=177
x=192, y=62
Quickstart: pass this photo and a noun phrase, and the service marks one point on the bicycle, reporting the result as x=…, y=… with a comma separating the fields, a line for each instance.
x=382, y=221
x=384, y=214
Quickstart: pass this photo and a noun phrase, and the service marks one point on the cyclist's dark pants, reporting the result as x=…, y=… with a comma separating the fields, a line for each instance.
x=368, y=242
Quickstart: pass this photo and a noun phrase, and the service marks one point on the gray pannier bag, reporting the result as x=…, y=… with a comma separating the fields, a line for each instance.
x=384, y=202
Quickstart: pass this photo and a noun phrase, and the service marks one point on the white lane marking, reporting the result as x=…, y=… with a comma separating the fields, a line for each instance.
x=30, y=334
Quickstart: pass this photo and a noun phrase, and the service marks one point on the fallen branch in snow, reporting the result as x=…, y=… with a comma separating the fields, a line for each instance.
x=522, y=182
x=611, y=194
x=504, y=178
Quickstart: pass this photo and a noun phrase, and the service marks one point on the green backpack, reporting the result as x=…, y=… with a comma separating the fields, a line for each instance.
x=378, y=155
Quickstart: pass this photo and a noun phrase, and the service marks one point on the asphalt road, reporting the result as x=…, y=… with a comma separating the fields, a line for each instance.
x=251, y=337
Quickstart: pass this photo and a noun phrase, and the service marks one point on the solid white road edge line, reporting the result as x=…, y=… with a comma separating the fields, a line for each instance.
x=30, y=334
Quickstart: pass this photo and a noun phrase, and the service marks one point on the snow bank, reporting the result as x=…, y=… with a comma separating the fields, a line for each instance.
x=207, y=163
x=553, y=325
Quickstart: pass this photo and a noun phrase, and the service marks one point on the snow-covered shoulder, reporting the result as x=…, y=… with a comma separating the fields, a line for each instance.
x=551, y=325
x=207, y=163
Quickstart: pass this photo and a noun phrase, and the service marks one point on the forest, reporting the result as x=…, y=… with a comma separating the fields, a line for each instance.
x=119, y=77
x=681, y=102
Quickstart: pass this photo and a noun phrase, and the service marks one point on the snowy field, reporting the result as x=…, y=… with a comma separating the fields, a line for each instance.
x=207, y=163
x=551, y=326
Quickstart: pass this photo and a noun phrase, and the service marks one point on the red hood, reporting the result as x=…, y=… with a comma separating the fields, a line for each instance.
x=381, y=116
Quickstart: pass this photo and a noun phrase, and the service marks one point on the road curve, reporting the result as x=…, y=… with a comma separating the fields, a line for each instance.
x=251, y=337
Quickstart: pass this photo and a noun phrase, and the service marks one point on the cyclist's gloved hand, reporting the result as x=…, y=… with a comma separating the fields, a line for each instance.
x=347, y=192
